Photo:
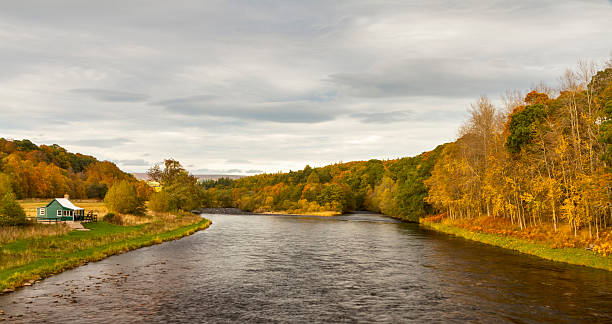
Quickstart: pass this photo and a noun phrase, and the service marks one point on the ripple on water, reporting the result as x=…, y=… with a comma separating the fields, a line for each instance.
x=352, y=268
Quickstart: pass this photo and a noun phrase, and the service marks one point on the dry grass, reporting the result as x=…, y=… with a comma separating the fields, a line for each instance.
x=131, y=220
x=97, y=206
x=542, y=233
x=34, y=231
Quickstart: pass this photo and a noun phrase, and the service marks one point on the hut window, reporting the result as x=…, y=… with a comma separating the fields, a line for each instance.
x=42, y=211
x=59, y=213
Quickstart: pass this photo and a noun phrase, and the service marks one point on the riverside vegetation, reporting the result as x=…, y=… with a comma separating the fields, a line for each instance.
x=30, y=251
x=537, y=170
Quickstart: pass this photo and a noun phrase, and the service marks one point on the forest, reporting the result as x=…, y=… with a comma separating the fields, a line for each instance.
x=540, y=160
x=393, y=187
x=47, y=171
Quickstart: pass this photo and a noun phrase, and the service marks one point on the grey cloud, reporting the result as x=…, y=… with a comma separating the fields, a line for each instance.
x=135, y=162
x=440, y=77
x=383, y=117
x=103, y=143
x=276, y=111
x=111, y=95
x=253, y=171
x=285, y=83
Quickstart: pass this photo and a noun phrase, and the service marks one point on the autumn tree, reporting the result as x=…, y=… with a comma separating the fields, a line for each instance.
x=122, y=198
x=181, y=189
x=11, y=212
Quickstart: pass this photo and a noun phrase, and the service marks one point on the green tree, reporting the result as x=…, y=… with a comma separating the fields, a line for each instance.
x=122, y=198
x=159, y=201
x=522, y=127
x=11, y=213
x=97, y=190
x=5, y=184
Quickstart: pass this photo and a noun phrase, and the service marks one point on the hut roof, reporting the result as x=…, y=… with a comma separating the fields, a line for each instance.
x=67, y=204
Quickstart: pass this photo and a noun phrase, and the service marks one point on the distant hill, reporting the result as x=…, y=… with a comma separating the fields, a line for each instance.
x=144, y=176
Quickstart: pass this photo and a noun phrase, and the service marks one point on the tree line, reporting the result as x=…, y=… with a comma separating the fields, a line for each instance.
x=541, y=158
x=47, y=171
x=544, y=158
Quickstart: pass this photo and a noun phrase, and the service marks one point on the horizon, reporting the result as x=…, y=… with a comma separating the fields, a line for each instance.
x=248, y=88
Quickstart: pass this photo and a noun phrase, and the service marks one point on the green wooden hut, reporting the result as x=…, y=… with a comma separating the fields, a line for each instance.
x=60, y=209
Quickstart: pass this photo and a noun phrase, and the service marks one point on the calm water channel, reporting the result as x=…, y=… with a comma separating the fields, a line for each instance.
x=355, y=268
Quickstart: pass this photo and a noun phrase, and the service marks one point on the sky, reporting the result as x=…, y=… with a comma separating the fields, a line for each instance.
x=244, y=87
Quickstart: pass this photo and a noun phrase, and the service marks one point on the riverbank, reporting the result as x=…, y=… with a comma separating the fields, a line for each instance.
x=24, y=261
x=237, y=211
x=321, y=213
x=577, y=256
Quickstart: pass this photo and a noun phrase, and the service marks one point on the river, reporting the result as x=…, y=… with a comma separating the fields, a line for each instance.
x=353, y=268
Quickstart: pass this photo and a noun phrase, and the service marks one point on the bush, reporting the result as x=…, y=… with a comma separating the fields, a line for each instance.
x=11, y=213
x=122, y=198
x=159, y=201
x=112, y=218
x=97, y=190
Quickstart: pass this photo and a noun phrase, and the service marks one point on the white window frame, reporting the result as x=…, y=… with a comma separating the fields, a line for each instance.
x=59, y=213
x=42, y=211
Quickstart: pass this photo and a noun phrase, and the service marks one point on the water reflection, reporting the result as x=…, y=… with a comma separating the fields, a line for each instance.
x=355, y=268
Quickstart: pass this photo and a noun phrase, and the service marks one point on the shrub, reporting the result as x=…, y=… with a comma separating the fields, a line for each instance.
x=122, y=198
x=159, y=201
x=97, y=190
x=11, y=212
x=112, y=218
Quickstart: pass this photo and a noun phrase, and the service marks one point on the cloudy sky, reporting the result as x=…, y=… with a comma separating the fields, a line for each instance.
x=249, y=86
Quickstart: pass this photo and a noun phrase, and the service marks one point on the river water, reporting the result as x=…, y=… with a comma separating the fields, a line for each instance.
x=354, y=268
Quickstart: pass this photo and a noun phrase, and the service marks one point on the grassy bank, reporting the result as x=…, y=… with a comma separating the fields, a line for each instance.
x=24, y=261
x=578, y=256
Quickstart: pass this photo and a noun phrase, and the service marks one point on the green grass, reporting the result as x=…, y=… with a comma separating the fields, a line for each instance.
x=27, y=260
x=568, y=255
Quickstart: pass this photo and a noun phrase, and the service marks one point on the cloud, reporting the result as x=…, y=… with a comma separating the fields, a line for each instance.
x=111, y=95
x=436, y=77
x=271, y=111
x=383, y=117
x=284, y=84
x=103, y=143
x=135, y=162
x=237, y=161
x=215, y=171
x=253, y=171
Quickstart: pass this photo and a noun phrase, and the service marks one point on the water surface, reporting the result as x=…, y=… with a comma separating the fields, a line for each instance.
x=355, y=268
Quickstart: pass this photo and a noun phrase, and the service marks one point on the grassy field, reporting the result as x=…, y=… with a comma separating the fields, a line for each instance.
x=34, y=231
x=578, y=256
x=97, y=206
x=50, y=249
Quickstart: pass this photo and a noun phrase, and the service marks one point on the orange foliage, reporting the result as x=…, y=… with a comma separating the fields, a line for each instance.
x=535, y=97
x=540, y=233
